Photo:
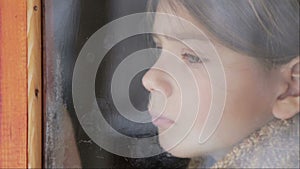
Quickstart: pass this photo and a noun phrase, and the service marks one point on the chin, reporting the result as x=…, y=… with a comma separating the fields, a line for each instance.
x=179, y=154
x=181, y=150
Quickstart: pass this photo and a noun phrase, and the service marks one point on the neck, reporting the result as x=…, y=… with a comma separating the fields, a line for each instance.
x=218, y=155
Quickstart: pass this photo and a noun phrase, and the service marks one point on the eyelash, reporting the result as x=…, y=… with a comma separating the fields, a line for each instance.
x=191, y=58
x=158, y=46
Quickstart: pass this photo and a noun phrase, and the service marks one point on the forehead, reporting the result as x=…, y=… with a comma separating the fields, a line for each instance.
x=176, y=21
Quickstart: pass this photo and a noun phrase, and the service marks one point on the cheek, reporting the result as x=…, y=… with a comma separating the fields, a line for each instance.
x=247, y=105
x=205, y=96
x=248, y=91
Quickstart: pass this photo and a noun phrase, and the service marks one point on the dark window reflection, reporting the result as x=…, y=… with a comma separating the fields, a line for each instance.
x=67, y=26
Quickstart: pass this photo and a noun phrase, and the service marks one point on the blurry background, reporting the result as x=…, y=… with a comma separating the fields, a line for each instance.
x=67, y=25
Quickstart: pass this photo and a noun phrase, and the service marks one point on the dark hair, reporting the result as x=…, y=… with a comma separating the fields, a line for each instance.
x=265, y=29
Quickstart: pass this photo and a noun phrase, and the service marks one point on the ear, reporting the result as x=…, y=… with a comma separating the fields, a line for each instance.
x=287, y=102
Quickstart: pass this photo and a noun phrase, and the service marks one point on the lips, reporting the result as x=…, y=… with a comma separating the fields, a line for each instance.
x=161, y=121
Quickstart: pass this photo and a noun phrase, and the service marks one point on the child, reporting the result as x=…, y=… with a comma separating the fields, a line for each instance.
x=258, y=45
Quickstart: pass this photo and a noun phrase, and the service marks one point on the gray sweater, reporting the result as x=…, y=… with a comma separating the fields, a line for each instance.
x=276, y=145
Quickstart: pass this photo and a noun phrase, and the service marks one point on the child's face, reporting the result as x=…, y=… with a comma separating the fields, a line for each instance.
x=248, y=105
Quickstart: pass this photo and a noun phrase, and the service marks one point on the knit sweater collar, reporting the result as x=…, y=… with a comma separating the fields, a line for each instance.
x=276, y=145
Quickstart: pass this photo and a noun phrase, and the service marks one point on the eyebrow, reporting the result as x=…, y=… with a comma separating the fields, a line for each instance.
x=180, y=36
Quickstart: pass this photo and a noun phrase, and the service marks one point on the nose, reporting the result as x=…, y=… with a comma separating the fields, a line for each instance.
x=157, y=80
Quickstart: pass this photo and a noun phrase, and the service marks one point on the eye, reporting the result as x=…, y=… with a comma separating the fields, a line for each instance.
x=156, y=43
x=158, y=46
x=191, y=58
